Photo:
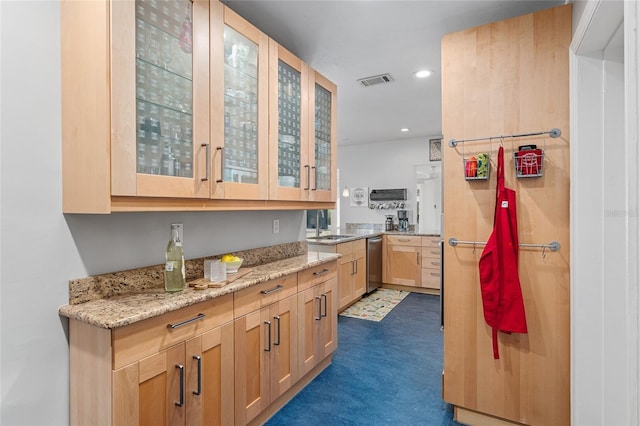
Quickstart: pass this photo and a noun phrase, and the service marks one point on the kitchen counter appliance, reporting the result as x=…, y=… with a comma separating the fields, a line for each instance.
x=374, y=263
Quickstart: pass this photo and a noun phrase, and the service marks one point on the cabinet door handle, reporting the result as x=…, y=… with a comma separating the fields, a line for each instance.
x=208, y=164
x=271, y=290
x=324, y=296
x=306, y=166
x=352, y=268
x=190, y=320
x=198, y=359
x=315, y=179
x=418, y=258
x=180, y=367
x=221, y=149
x=355, y=262
x=319, y=299
x=277, y=318
x=268, y=324
x=324, y=271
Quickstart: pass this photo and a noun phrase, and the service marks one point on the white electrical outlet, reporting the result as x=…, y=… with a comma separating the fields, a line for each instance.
x=276, y=226
x=180, y=231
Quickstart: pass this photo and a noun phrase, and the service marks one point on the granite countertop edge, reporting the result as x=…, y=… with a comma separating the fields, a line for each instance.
x=359, y=236
x=123, y=310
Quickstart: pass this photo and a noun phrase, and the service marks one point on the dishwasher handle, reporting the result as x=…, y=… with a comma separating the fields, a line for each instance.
x=374, y=240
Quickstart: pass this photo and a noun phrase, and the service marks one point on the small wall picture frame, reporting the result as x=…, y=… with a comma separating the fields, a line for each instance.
x=359, y=196
x=435, y=149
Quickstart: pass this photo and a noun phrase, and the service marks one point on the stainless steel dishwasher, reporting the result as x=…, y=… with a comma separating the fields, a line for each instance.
x=374, y=263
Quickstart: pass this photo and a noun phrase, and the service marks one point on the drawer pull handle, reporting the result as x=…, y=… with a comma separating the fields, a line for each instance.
x=435, y=263
x=319, y=299
x=324, y=271
x=271, y=290
x=435, y=274
x=208, y=168
x=324, y=297
x=198, y=358
x=221, y=149
x=180, y=324
x=181, y=368
x=268, y=324
x=435, y=251
x=403, y=240
x=308, y=187
x=277, y=318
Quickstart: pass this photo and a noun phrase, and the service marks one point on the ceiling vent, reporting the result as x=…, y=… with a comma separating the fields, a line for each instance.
x=376, y=79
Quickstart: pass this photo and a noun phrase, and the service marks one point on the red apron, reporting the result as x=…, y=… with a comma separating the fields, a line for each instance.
x=501, y=293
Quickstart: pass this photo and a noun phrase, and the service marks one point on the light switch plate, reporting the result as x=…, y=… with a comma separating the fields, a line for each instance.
x=276, y=226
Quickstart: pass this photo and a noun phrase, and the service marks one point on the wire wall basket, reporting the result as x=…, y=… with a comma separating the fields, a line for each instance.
x=528, y=161
x=477, y=166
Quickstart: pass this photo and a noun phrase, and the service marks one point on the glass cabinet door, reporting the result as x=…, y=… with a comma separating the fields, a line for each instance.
x=239, y=99
x=289, y=104
x=323, y=100
x=240, y=155
x=290, y=170
x=159, y=121
x=164, y=88
x=322, y=149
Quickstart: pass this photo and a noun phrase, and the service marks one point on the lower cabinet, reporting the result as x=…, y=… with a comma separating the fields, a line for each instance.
x=266, y=353
x=220, y=362
x=431, y=263
x=318, y=323
x=352, y=269
x=185, y=384
x=402, y=260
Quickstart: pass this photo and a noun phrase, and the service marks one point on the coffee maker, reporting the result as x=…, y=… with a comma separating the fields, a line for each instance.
x=403, y=220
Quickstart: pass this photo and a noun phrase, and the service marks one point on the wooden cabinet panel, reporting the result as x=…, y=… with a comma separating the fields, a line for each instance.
x=252, y=365
x=402, y=260
x=491, y=65
x=284, y=345
x=317, y=324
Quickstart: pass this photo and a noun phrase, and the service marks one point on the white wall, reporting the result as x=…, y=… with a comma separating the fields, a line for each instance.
x=604, y=215
x=383, y=165
x=41, y=249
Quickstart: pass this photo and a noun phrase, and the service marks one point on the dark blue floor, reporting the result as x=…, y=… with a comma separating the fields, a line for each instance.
x=386, y=372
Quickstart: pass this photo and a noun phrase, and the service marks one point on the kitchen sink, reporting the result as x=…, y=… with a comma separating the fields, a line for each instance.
x=330, y=237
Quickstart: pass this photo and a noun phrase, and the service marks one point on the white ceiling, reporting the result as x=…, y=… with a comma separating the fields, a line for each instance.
x=348, y=40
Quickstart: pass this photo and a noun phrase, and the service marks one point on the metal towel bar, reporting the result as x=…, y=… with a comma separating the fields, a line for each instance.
x=554, y=133
x=553, y=245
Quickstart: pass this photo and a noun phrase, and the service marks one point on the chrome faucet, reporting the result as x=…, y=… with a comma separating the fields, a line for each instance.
x=318, y=214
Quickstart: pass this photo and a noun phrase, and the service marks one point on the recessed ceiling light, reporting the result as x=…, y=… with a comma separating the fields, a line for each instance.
x=404, y=129
x=423, y=74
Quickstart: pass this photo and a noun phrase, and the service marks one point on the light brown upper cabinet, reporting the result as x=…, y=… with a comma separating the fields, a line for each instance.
x=323, y=156
x=302, y=131
x=239, y=107
x=165, y=106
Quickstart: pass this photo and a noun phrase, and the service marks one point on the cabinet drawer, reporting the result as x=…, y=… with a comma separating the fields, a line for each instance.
x=431, y=242
x=431, y=262
x=431, y=278
x=359, y=248
x=404, y=240
x=257, y=296
x=144, y=338
x=316, y=275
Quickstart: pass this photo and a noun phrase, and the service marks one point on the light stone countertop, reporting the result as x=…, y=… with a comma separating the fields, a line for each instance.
x=122, y=310
x=365, y=234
